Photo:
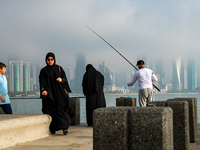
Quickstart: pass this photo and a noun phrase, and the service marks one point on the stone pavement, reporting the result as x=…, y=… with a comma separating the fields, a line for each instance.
x=78, y=138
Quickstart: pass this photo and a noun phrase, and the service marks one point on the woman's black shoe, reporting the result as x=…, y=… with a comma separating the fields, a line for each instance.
x=53, y=132
x=65, y=131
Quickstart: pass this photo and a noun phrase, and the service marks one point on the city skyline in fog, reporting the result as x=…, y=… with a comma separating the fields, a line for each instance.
x=154, y=29
x=177, y=74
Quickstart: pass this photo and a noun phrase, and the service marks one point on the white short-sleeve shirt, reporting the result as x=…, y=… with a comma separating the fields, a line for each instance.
x=145, y=77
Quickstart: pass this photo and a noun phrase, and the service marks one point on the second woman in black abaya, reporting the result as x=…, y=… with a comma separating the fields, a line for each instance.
x=55, y=101
x=93, y=82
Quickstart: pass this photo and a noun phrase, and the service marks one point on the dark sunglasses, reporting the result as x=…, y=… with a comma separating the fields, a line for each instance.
x=50, y=59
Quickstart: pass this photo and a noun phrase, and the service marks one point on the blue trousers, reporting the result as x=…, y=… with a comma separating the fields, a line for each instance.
x=6, y=108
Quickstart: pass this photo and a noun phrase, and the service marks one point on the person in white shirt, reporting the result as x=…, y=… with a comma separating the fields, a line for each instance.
x=145, y=79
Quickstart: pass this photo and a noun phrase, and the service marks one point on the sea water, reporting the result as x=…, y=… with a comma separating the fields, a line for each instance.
x=34, y=105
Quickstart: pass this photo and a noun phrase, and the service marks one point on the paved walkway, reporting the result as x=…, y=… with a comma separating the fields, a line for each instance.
x=78, y=138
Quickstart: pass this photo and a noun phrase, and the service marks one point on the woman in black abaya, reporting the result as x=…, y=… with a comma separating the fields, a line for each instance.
x=55, y=101
x=93, y=82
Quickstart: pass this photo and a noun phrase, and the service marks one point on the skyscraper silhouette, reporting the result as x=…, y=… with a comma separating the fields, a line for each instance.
x=79, y=72
x=160, y=69
x=106, y=73
x=38, y=68
x=19, y=76
x=184, y=74
x=26, y=76
x=176, y=75
x=191, y=74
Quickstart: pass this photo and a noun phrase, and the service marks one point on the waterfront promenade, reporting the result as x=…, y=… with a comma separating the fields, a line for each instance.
x=78, y=138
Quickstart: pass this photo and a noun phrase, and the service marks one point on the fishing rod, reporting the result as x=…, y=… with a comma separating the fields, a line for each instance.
x=118, y=53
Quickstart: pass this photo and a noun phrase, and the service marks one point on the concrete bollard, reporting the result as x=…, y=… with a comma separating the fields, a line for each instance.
x=195, y=110
x=128, y=128
x=180, y=122
x=125, y=101
x=74, y=103
x=192, y=116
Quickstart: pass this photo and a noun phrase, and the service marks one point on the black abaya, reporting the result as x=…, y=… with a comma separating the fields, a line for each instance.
x=56, y=103
x=93, y=82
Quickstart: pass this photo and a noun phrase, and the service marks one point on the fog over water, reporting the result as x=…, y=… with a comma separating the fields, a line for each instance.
x=158, y=30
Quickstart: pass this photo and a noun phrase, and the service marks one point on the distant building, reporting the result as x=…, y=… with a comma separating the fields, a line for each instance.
x=160, y=69
x=132, y=88
x=26, y=76
x=67, y=72
x=79, y=72
x=176, y=74
x=31, y=78
x=121, y=89
x=184, y=75
x=113, y=78
x=107, y=75
x=15, y=76
x=31, y=84
x=169, y=87
x=38, y=69
x=19, y=76
x=157, y=84
x=191, y=74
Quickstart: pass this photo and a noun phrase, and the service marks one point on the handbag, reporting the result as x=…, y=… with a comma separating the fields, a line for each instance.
x=69, y=110
x=65, y=85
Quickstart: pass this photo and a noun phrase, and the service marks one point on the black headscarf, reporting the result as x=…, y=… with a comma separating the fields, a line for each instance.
x=90, y=68
x=93, y=81
x=50, y=54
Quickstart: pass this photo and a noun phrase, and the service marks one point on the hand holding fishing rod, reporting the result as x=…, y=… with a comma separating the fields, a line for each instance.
x=118, y=52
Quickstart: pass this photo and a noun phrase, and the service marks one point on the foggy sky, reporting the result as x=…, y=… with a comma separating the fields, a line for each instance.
x=163, y=30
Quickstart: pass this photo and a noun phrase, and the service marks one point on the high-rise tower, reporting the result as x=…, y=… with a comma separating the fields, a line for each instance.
x=113, y=78
x=26, y=76
x=176, y=74
x=160, y=69
x=184, y=75
x=79, y=72
x=191, y=75
x=16, y=76
x=106, y=73
x=19, y=76
x=38, y=68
